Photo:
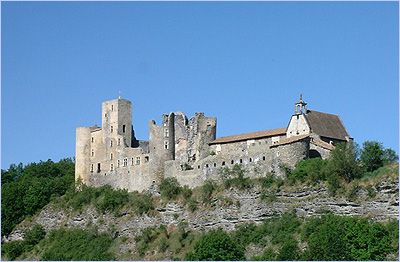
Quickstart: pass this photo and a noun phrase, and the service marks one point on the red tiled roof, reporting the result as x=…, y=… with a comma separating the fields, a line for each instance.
x=290, y=140
x=248, y=136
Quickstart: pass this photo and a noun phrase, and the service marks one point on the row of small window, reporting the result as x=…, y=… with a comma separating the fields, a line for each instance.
x=232, y=162
x=125, y=163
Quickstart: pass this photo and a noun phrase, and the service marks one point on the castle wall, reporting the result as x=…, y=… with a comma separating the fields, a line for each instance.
x=257, y=159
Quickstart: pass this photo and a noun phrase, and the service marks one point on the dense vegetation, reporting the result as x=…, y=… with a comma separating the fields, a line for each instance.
x=26, y=189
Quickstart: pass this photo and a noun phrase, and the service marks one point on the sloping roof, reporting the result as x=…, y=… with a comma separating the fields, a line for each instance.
x=247, y=136
x=290, y=140
x=323, y=144
x=326, y=125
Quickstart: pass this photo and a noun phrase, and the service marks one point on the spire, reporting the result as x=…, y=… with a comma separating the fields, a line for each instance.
x=301, y=106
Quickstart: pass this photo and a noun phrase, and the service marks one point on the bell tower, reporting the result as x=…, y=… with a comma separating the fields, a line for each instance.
x=300, y=107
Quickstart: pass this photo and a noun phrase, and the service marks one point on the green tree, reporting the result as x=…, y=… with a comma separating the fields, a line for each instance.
x=372, y=155
x=216, y=245
x=389, y=156
x=343, y=162
x=169, y=188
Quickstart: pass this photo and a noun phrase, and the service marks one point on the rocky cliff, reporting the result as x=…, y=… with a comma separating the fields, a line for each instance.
x=226, y=209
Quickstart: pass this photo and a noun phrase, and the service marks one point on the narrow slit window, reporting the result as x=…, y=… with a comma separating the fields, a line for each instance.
x=125, y=161
x=166, y=145
x=92, y=139
x=232, y=162
x=123, y=128
x=111, y=167
x=118, y=163
x=241, y=161
x=111, y=156
x=111, y=129
x=223, y=163
x=263, y=158
x=111, y=143
x=98, y=168
x=91, y=168
x=119, y=141
x=132, y=161
x=92, y=152
x=250, y=160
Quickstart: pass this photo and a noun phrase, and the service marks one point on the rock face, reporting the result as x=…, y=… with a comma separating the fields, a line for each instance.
x=228, y=209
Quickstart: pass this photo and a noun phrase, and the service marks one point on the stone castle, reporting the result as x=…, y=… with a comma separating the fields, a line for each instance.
x=188, y=149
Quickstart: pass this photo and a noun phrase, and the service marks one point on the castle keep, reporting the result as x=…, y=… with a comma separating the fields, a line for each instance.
x=188, y=150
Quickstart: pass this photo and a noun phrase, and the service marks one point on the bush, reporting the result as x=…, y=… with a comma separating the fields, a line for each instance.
x=216, y=245
x=308, y=170
x=348, y=238
x=206, y=190
x=192, y=204
x=289, y=250
x=372, y=155
x=141, y=203
x=169, y=188
x=235, y=177
x=34, y=235
x=77, y=244
x=186, y=192
x=343, y=162
x=111, y=200
x=27, y=189
x=13, y=249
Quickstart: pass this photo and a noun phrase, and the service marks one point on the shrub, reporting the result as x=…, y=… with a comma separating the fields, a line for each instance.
x=192, y=204
x=34, y=235
x=13, y=249
x=76, y=244
x=216, y=245
x=169, y=188
x=141, y=203
x=289, y=250
x=343, y=162
x=206, y=190
x=309, y=169
x=111, y=200
x=186, y=192
x=235, y=177
x=372, y=155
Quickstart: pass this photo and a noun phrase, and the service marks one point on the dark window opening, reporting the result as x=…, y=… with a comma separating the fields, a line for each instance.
x=215, y=164
x=250, y=159
x=146, y=159
x=206, y=165
x=232, y=162
x=198, y=167
x=263, y=158
x=98, y=168
x=123, y=128
x=223, y=163
x=241, y=161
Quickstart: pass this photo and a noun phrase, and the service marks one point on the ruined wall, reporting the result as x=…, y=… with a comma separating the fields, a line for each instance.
x=257, y=160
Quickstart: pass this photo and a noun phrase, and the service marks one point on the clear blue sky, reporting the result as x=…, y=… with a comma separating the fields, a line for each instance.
x=245, y=63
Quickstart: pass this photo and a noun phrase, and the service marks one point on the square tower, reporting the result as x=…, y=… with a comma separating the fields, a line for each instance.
x=117, y=122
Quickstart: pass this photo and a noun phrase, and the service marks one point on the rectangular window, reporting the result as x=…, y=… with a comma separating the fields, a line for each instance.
x=92, y=152
x=91, y=168
x=111, y=143
x=98, y=168
x=123, y=128
x=138, y=160
x=111, y=129
x=166, y=133
x=111, y=167
x=111, y=156
x=132, y=161
x=166, y=144
x=146, y=159
x=119, y=141
x=92, y=139
x=112, y=107
x=118, y=163
x=125, y=161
